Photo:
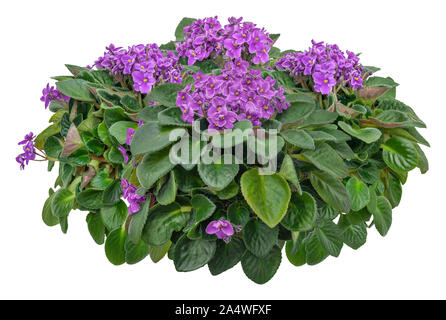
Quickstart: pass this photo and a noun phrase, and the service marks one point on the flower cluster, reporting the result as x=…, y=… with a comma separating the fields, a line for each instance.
x=146, y=64
x=236, y=40
x=49, y=93
x=223, y=229
x=327, y=64
x=131, y=196
x=238, y=93
x=28, y=151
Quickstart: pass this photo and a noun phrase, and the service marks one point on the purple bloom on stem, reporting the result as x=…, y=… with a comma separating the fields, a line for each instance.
x=28, y=151
x=124, y=153
x=130, y=132
x=323, y=82
x=49, y=93
x=143, y=81
x=131, y=196
x=221, y=228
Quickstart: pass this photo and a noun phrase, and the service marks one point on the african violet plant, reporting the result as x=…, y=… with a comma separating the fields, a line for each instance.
x=342, y=146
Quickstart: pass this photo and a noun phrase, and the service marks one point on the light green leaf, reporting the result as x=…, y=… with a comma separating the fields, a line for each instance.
x=267, y=195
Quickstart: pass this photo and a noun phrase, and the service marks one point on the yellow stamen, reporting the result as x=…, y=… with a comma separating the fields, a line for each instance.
x=325, y=81
x=265, y=107
x=250, y=99
x=237, y=93
x=218, y=109
x=142, y=67
x=249, y=117
x=130, y=60
x=212, y=85
x=257, y=38
x=309, y=61
x=261, y=90
x=145, y=80
x=185, y=111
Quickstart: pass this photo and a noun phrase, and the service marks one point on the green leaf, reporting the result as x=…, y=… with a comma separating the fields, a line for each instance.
x=150, y=113
x=166, y=94
x=238, y=214
x=259, y=238
x=76, y=89
x=168, y=192
x=114, y=246
x=153, y=166
x=288, y=171
x=96, y=227
x=381, y=82
x=314, y=250
x=112, y=194
x=319, y=117
x=382, y=215
x=90, y=199
x=301, y=215
x=217, y=175
x=353, y=235
x=179, y=31
x=326, y=158
x=193, y=254
x=53, y=147
x=359, y=193
x=62, y=202
x=119, y=130
x=320, y=136
x=47, y=213
x=115, y=216
x=298, y=138
x=368, y=135
x=134, y=253
x=104, y=135
x=330, y=237
x=331, y=190
x=151, y=137
x=230, y=191
x=172, y=117
x=113, y=115
x=393, y=189
x=423, y=163
x=296, y=112
x=161, y=222
x=130, y=103
x=203, y=207
x=267, y=195
x=138, y=221
x=227, y=255
x=158, y=252
x=400, y=154
x=261, y=270
x=298, y=257
x=48, y=132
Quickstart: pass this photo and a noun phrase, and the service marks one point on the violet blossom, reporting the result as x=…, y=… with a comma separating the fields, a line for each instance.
x=237, y=94
x=206, y=38
x=146, y=65
x=28, y=151
x=326, y=64
x=221, y=228
x=134, y=199
x=49, y=93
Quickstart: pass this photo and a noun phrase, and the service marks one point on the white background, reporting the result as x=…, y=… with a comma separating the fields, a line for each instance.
x=404, y=38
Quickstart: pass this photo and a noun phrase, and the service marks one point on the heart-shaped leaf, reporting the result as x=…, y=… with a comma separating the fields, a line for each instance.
x=267, y=195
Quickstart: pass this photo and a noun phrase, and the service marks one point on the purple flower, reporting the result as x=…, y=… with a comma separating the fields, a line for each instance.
x=134, y=199
x=236, y=94
x=49, y=93
x=143, y=81
x=221, y=228
x=147, y=64
x=28, y=151
x=323, y=82
x=130, y=132
x=326, y=64
x=124, y=153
